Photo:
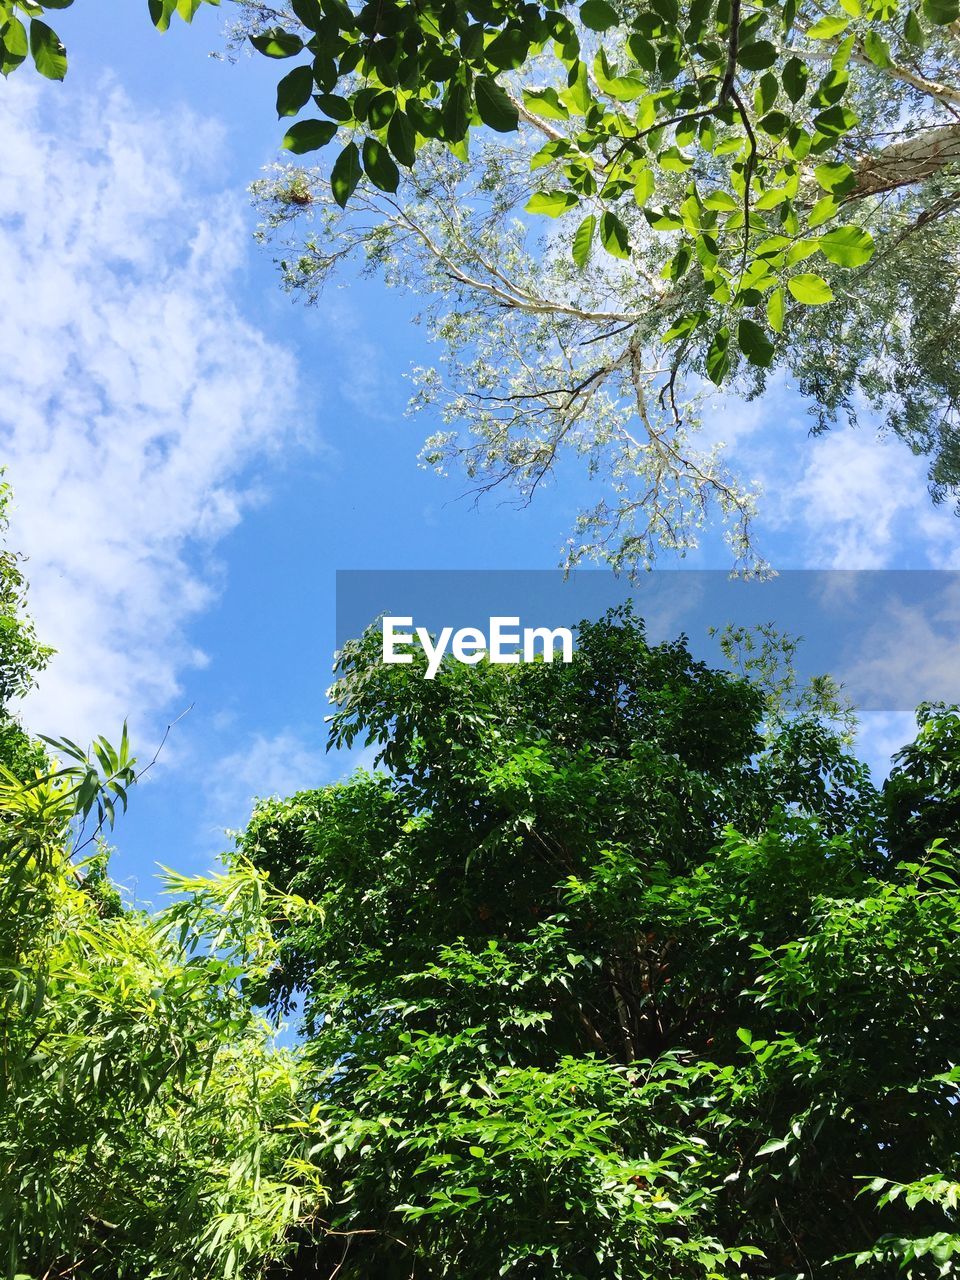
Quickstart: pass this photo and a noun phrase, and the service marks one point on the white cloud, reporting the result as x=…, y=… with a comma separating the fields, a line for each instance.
x=910, y=653
x=277, y=764
x=862, y=502
x=850, y=498
x=880, y=734
x=136, y=394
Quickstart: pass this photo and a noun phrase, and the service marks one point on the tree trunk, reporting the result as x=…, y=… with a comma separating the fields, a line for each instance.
x=904, y=163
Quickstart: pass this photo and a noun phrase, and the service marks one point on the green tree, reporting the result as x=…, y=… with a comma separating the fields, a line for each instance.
x=612, y=981
x=22, y=657
x=148, y=1122
x=735, y=192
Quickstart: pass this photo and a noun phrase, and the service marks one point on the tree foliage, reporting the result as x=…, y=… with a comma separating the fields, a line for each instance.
x=594, y=978
x=738, y=189
x=147, y=1119
x=606, y=984
x=22, y=656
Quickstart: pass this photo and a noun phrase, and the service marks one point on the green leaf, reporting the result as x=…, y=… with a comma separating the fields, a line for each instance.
x=643, y=51
x=723, y=201
x=847, y=246
x=277, y=43
x=942, y=12
x=663, y=219
x=308, y=135
x=775, y=1144
x=624, y=88
x=545, y=103
x=673, y=160
x=802, y=249
x=686, y=325
x=766, y=93
x=614, y=236
x=309, y=12
x=345, y=174
x=293, y=91
x=49, y=55
x=679, y=263
x=455, y=108
x=334, y=107
x=477, y=1152
x=583, y=239
x=913, y=31
x=836, y=122
x=754, y=343
x=381, y=109
x=598, y=15
x=379, y=165
x=775, y=123
x=718, y=356
x=757, y=56
x=830, y=90
x=877, y=49
x=402, y=138
x=843, y=51
x=794, y=77
x=828, y=28
x=13, y=44
x=161, y=12
x=775, y=311
x=836, y=178
x=552, y=203
x=823, y=211
x=810, y=289
x=509, y=50
x=644, y=187
x=577, y=94
x=494, y=106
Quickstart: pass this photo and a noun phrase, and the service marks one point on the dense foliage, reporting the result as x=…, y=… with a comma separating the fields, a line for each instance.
x=148, y=1121
x=144, y=1108
x=604, y=986
x=617, y=971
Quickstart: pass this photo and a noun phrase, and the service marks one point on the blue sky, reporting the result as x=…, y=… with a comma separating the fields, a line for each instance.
x=194, y=455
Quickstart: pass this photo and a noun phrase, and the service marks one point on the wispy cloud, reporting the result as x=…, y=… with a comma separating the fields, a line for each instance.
x=848, y=499
x=278, y=764
x=136, y=392
x=862, y=503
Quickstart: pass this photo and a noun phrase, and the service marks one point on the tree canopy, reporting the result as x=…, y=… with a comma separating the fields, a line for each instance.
x=601, y=981
x=594, y=978
x=147, y=1118
x=738, y=189
x=736, y=192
